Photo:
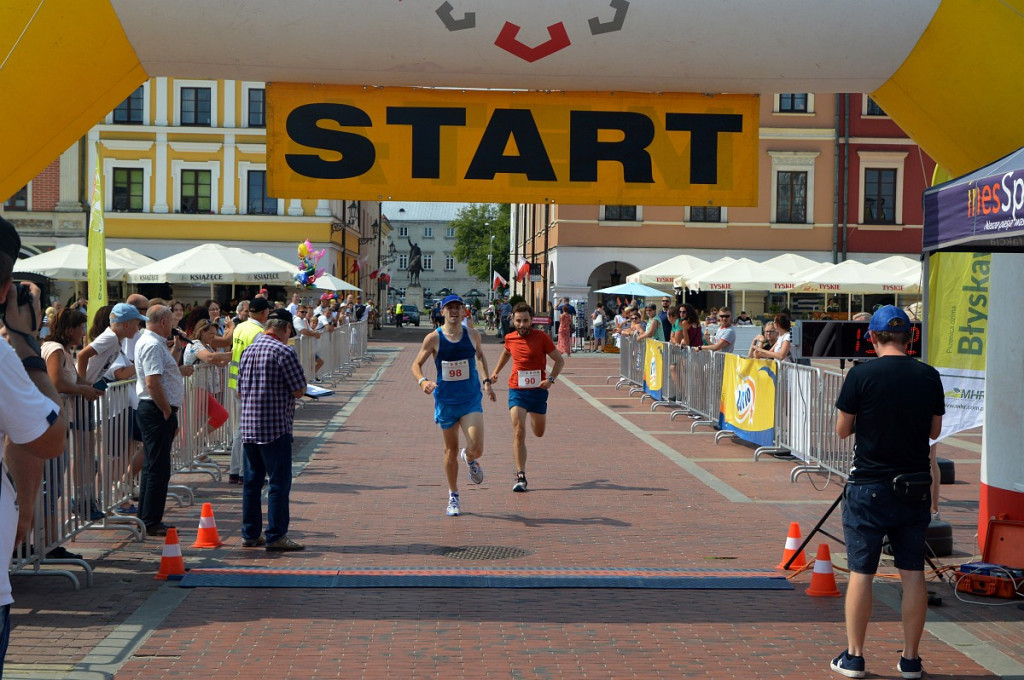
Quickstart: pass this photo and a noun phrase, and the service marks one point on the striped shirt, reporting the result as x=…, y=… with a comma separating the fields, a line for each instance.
x=268, y=374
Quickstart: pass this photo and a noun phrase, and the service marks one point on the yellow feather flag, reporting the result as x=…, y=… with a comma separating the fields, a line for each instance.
x=97, y=245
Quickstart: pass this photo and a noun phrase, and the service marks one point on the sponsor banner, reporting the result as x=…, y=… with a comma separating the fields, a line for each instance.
x=981, y=207
x=748, y=399
x=654, y=368
x=958, y=310
x=350, y=142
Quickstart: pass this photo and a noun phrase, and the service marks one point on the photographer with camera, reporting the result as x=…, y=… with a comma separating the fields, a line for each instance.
x=31, y=421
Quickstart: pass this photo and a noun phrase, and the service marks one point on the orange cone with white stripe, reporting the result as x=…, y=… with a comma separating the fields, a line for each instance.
x=792, y=543
x=823, y=581
x=172, y=564
x=207, y=536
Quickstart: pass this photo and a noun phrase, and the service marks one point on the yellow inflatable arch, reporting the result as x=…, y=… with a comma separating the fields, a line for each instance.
x=948, y=72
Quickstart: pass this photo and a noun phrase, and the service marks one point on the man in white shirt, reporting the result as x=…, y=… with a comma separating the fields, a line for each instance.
x=30, y=420
x=98, y=356
x=293, y=306
x=161, y=390
x=725, y=336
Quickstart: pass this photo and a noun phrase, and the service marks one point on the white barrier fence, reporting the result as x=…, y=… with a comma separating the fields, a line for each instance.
x=805, y=397
x=86, y=487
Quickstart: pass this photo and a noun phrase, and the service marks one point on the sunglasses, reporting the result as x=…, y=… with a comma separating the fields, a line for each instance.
x=725, y=316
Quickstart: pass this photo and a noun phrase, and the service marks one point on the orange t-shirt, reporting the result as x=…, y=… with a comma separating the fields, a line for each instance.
x=529, y=354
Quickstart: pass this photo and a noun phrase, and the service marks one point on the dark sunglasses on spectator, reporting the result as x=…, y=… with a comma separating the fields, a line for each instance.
x=725, y=316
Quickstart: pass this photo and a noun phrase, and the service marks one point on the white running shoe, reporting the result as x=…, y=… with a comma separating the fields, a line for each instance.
x=520, y=485
x=476, y=473
x=453, y=506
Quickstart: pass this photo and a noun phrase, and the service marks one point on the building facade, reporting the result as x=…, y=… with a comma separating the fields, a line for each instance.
x=184, y=163
x=429, y=227
x=837, y=179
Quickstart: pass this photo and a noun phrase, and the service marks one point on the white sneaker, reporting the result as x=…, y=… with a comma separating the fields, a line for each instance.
x=453, y=506
x=476, y=473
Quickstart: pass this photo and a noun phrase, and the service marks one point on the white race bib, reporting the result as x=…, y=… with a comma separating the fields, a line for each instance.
x=529, y=379
x=454, y=371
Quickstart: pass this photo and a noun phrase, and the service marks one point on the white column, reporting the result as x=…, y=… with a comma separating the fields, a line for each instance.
x=161, y=102
x=69, y=199
x=229, y=104
x=1002, y=466
x=228, y=176
x=323, y=208
x=160, y=172
x=295, y=207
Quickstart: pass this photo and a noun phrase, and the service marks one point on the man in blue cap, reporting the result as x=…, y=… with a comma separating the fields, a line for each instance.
x=457, y=352
x=895, y=404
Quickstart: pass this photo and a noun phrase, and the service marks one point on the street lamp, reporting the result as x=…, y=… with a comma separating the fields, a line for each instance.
x=490, y=263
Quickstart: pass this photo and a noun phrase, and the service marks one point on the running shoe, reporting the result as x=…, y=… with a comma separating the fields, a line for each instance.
x=476, y=473
x=453, y=506
x=520, y=485
x=910, y=668
x=849, y=665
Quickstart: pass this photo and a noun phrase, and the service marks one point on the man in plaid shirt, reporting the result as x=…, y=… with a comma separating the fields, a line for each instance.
x=270, y=378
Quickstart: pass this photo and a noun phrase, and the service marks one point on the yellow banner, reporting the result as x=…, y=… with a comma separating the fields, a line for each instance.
x=654, y=361
x=958, y=311
x=748, y=399
x=357, y=143
x=97, y=245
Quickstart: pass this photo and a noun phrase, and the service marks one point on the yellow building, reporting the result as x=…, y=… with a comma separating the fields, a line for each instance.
x=184, y=163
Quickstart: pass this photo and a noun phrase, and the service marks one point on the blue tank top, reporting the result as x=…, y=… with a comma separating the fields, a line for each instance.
x=453, y=360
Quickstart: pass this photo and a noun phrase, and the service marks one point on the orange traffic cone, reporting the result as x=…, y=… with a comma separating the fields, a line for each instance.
x=792, y=543
x=207, y=537
x=172, y=564
x=823, y=581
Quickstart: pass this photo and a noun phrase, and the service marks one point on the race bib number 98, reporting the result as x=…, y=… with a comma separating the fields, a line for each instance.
x=529, y=379
x=454, y=371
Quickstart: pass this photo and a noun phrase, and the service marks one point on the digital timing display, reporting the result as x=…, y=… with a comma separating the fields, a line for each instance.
x=842, y=340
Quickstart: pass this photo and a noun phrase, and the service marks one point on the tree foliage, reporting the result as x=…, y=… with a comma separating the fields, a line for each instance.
x=474, y=226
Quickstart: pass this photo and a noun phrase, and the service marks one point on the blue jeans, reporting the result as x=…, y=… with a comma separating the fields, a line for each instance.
x=272, y=460
x=5, y=634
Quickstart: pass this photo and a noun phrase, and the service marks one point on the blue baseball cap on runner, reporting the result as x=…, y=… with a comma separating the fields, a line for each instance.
x=450, y=299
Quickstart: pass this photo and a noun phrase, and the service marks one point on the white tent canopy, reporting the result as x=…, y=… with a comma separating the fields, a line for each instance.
x=680, y=281
x=663, y=275
x=896, y=264
x=791, y=263
x=71, y=263
x=741, y=274
x=212, y=263
x=137, y=259
x=855, y=277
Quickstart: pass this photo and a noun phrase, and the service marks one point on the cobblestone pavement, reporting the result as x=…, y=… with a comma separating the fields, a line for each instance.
x=612, y=485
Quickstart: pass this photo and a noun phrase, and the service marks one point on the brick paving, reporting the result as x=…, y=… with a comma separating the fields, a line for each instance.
x=372, y=493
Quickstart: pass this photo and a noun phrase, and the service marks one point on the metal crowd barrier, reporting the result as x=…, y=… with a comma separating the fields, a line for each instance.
x=834, y=454
x=797, y=405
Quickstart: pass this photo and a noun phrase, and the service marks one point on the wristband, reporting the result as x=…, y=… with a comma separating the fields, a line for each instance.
x=34, y=364
x=421, y=381
x=551, y=379
x=29, y=339
x=487, y=381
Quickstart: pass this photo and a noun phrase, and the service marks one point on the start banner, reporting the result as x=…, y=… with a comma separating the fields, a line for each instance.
x=748, y=399
x=619, y=148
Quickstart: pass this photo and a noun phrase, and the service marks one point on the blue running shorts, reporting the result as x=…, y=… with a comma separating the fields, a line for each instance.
x=448, y=415
x=533, y=400
x=871, y=512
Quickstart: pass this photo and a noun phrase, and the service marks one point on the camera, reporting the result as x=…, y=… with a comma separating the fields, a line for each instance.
x=180, y=334
x=20, y=293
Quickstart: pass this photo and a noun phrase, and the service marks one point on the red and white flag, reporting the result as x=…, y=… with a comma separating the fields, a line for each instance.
x=522, y=269
x=359, y=264
x=375, y=273
x=499, y=281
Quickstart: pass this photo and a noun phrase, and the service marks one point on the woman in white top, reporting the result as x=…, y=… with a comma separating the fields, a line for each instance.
x=200, y=350
x=782, y=350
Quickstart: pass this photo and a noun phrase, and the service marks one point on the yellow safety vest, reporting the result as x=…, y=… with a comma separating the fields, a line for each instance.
x=244, y=334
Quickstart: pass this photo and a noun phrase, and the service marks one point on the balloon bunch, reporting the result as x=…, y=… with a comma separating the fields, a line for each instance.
x=308, y=259
x=327, y=297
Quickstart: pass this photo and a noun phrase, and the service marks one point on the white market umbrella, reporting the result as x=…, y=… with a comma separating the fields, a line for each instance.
x=71, y=263
x=329, y=282
x=791, y=263
x=742, y=275
x=137, y=259
x=278, y=262
x=897, y=264
x=664, y=274
x=680, y=281
x=852, y=277
x=212, y=263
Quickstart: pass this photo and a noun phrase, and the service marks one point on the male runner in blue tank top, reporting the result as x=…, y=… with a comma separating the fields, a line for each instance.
x=457, y=398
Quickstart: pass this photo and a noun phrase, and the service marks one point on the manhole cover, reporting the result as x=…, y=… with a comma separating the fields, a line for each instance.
x=482, y=552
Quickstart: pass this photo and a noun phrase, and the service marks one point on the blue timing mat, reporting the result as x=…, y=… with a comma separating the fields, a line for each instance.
x=506, y=577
